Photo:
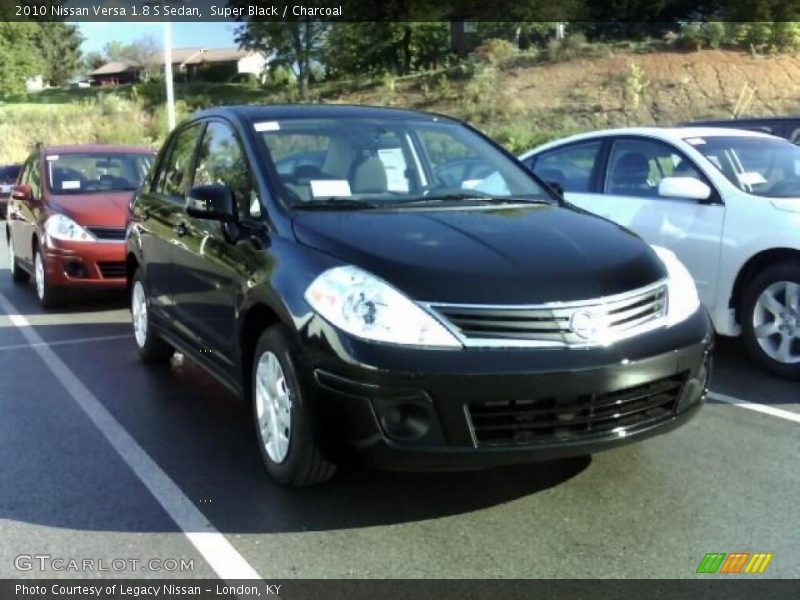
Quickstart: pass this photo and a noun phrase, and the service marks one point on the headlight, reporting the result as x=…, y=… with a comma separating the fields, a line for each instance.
x=369, y=308
x=61, y=227
x=682, y=299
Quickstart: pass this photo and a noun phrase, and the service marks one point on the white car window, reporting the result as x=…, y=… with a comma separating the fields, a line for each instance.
x=636, y=166
x=571, y=167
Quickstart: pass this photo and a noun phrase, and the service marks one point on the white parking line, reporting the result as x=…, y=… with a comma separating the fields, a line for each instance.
x=99, y=338
x=209, y=542
x=762, y=408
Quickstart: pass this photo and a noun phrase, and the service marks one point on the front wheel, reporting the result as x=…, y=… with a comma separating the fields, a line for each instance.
x=47, y=294
x=289, y=445
x=771, y=319
x=152, y=348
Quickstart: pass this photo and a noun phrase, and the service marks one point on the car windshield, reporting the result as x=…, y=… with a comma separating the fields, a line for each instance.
x=367, y=162
x=9, y=174
x=93, y=173
x=762, y=166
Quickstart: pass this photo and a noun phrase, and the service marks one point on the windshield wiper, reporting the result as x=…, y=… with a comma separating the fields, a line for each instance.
x=472, y=197
x=334, y=203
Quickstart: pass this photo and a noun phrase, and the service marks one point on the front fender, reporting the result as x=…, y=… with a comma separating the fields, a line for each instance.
x=734, y=259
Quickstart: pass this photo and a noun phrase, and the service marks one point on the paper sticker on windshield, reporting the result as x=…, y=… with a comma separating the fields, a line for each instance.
x=751, y=178
x=695, y=141
x=52, y=157
x=70, y=185
x=394, y=163
x=325, y=188
x=268, y=126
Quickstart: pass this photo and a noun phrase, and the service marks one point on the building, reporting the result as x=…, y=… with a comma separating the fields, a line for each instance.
x=115, y=73
x=194, y=63
x=35, y=84
x=191, y=64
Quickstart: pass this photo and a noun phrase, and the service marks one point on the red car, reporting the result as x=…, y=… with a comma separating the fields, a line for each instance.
x=8, y=177
x=67, y=217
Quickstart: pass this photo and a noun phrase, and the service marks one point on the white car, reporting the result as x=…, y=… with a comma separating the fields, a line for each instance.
x=726, y=201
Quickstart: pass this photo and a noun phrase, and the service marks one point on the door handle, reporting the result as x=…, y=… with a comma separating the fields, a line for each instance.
x=180, y=229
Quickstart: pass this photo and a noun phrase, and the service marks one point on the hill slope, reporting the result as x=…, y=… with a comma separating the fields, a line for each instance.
x=522, y=101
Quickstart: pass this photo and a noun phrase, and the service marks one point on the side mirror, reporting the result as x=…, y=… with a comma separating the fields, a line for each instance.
x=689, y=188
x=214, y=202
x=556, y=187
x=22, y=192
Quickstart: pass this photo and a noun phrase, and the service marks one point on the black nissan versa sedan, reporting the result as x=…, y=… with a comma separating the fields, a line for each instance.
x=414, y=293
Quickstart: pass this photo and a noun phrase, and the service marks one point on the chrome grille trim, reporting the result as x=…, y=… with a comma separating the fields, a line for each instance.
x=547, y=325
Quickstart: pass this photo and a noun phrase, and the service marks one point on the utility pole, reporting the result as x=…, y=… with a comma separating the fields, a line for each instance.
x=168, y=75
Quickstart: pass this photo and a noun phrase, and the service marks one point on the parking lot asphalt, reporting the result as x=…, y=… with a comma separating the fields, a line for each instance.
x=106, y=458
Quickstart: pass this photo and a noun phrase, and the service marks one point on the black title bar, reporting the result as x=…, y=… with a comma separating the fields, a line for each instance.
x=663, y=11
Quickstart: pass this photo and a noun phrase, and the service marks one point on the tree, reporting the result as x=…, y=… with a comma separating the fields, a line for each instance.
x=523, y=34
x=381, y=47
x=59, y=46
x=294, y=44
x=143, y=53
x=19, y=57
x=93, y=60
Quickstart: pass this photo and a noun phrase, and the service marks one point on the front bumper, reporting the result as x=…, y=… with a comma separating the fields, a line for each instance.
x=87, y=265
x=412, y=409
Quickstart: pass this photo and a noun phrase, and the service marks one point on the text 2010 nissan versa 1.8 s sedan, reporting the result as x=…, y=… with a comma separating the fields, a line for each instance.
x=413, y=292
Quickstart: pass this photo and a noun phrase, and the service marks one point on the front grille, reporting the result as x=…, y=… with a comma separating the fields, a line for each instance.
x=108, y=233
x=553, y=324
x=111, y=270
x=553, y=419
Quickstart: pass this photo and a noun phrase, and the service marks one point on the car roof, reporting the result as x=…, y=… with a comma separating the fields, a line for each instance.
x=95, y=149
x=314, y=111
x=671, y=134
x=745, y=121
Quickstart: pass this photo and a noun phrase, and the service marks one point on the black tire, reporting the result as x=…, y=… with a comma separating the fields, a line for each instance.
x=782, y=272
x=305, y=462
x=151, y=346
x=18, y=274
x=48, y=295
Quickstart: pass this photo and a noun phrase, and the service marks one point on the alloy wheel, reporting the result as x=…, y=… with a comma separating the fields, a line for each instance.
x=38, y=268
x=139, y=314
x=273, y=407
x=776, y=321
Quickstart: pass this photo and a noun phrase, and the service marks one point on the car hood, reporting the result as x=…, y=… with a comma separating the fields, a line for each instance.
x=108, y=209
x=502, y=255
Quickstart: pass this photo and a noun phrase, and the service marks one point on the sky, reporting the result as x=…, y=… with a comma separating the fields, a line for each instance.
x=184, y=35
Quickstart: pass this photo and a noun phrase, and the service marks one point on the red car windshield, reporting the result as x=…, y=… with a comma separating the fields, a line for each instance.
x=9, y=174
x=91, y=173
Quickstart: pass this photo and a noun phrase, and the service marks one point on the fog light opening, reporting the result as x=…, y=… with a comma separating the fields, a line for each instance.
x=406, y=421
x=696, y=388
x=75, y=269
